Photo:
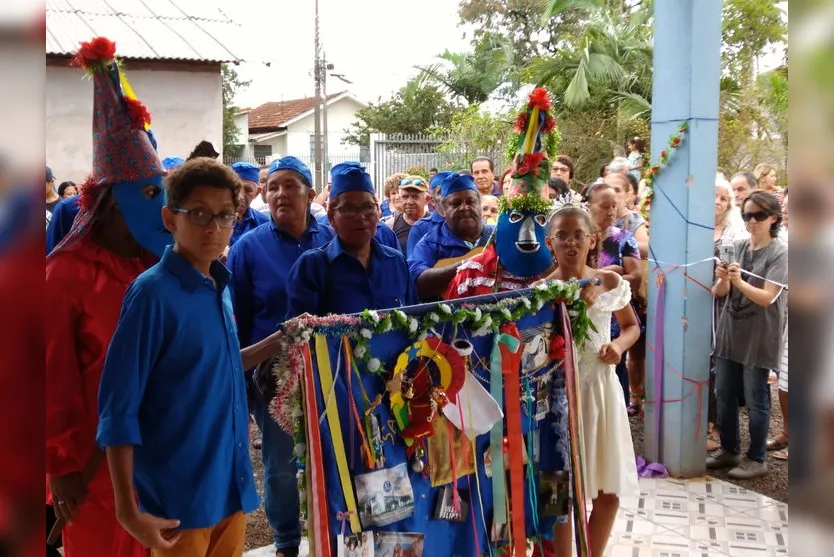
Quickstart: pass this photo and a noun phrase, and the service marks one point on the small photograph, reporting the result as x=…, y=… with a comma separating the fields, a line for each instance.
x=385, y=496
x=355, y=545
x=398, y=544
x=554, y=493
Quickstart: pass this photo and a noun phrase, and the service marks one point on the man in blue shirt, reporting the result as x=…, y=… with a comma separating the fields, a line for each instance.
x=436, y=258
x=425, y=224
x=260, y=262
x=384, y=235
x=354, y=271
x=249, y=219
x=172, y=400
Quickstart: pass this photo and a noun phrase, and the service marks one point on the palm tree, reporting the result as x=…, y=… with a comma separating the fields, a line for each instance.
x=471, y=77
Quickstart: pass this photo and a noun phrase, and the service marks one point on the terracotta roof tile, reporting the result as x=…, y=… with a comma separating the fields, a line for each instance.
x=273, y=115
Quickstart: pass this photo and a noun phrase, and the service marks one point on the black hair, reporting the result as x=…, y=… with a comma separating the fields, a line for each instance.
x=559, y=185
x=639, y=143
x=63, y=187
x=202, y=171
x=770, y=205
x=478, y=159
x=204, y=149
x=433, y=169
x=635, y=185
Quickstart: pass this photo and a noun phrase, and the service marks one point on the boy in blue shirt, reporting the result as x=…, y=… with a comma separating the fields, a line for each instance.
x=173, y=413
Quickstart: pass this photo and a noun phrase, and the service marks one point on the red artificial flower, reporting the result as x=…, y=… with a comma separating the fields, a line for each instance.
x=138, y=113
x=663, y=154
x=530, y=164
x=655, y=170
x=540, y=98
x=676, y=141
x=99, y=49
x=521, y=121
x=549, y=124
x=557, y=348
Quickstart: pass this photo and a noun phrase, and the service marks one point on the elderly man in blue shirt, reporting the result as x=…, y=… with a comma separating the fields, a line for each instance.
x=260, y=262
x=436, y=258
x=426, y=224
x=354, y=271
x=248, y=218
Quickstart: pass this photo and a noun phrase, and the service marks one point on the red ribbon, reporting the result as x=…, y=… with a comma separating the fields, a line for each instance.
x=321, y=534
x=510, y=365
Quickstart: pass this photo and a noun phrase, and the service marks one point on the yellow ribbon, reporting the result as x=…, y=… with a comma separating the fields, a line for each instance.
x=332, y=412
x=127, y=91
x=532, y=127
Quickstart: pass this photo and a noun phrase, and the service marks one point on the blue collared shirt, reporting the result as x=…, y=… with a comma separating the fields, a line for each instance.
x=330, y=280
x=260, y=262
x=421, y=228
x=384, y=235
x=441, y=243
x=63, y=216
x=251, y=220
x=173, y=387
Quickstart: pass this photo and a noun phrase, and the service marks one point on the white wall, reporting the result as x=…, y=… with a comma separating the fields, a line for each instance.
x=185, y=107
x=242, y=126
x=340, y=115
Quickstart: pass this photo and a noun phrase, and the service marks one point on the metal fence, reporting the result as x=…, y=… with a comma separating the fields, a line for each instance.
x=392, y=153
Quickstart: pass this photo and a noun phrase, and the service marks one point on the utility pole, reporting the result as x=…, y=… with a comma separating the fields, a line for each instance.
x=318, y=163
x=325, y=66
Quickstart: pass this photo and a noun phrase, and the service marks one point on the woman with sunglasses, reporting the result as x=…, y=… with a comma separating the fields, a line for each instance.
x=749, y=332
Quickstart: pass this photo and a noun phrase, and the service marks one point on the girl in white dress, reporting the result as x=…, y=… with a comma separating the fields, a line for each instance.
x=605, y=436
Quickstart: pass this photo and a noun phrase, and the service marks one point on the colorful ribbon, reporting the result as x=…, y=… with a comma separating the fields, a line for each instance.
x=334, y=423
x=318, y=520
x=510, y=365
x=496, y=435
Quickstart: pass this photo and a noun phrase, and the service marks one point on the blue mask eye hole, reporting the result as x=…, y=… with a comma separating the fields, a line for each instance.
x=540, y=220
x=150, y=191
x=515, y=217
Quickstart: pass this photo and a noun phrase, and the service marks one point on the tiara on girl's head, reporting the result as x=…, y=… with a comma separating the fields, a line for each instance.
x=569, y=201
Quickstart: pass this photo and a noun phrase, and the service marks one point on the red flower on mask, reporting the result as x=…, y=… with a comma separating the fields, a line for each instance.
x=557, y=348
x=530, y=164
x=549, y=124
x=138, y=113
x=521, y=121
x=99, y=49
x=540, y=98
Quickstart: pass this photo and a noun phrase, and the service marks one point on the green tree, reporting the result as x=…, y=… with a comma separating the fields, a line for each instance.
x=472, y=76
x=414, y=109
x=474, y=132
x=749, y=26
x=231, y=84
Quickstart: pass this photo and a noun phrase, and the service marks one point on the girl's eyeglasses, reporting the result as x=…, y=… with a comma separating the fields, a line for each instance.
x=202, y=217
x=565, y=238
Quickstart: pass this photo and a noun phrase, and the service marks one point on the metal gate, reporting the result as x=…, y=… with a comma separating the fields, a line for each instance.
x=391, y=153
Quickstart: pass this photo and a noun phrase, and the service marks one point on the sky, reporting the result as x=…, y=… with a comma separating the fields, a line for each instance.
x=373, y=43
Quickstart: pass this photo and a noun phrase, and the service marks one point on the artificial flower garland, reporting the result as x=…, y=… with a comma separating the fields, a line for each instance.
x=482, y=320
x=651, y=173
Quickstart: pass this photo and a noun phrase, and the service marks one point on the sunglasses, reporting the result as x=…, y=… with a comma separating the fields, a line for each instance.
x=758, y=216
x=415, y=182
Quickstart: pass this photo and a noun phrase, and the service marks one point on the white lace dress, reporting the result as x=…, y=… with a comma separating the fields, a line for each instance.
x=607, y=449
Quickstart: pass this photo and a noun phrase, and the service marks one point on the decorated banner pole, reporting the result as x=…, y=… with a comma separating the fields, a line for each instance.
x=687, y=62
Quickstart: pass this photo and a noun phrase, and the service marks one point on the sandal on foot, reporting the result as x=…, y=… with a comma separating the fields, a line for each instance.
x=776, y=444
x=781, y=454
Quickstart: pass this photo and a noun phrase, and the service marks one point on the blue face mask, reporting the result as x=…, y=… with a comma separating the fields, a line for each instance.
x=519, y=242
x=141, y=208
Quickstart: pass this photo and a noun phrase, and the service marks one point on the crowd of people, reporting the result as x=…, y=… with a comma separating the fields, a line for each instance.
x=182, y=270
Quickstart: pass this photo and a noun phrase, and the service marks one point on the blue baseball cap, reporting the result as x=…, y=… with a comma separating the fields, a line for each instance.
x=170, y=163
x=292, y=163
x=457, y=182
x=350, y=176
x=437, y=179
x=246, y=171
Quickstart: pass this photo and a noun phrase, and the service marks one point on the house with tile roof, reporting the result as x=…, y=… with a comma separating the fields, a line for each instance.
x=172, y=52
x=277, y=129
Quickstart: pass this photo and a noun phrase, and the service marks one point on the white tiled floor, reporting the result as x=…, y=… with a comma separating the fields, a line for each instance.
x=702, y=517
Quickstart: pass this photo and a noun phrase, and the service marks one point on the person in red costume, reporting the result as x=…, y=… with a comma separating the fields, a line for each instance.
x=116, y=236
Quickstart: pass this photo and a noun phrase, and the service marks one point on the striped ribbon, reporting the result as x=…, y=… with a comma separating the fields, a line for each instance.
x=575, y=436
x=318, y=522
x=334, y=423
x=496, y=436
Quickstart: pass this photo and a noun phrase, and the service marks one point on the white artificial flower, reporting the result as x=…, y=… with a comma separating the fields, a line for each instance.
x=366, y=333
x=359, y=351
x=445, y=308
x=302, y=495
x=374, y=316
x=297, y=412
x=374, y=365
x=526, y=303
x=413, y=324
x=506, y=314
x=434, y=317
x=478, y=314
x=299, y=450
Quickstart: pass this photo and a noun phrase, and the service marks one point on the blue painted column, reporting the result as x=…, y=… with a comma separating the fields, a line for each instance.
x=687, y=65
